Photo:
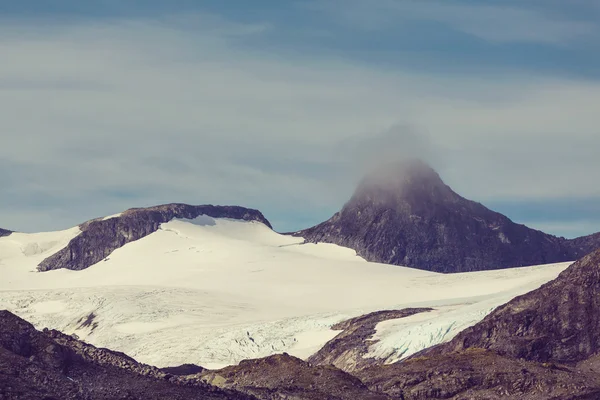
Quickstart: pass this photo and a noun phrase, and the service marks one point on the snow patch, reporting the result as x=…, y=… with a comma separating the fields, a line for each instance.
x=49, y=307
x=112, y=216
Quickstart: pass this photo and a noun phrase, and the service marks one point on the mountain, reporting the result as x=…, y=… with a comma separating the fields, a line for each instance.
x=100, y=237
x=4, y=232
x=404, y=214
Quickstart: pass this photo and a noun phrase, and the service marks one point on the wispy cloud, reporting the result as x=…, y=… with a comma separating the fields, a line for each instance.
x=100, y=116
x=489, y=21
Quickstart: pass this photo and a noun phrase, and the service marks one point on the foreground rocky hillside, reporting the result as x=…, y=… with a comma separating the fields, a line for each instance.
x=404, y=214
x=286, y=377
x=100, y=237
x=52, y=366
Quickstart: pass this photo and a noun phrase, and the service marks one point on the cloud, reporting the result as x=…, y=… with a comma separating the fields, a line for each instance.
x=102, y=116
x=494, y=23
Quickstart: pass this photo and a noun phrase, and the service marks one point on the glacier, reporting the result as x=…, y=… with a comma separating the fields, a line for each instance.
x=216, y=291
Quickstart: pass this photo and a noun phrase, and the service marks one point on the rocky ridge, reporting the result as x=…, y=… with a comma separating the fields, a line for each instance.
x=285, y=377
x=100, y=237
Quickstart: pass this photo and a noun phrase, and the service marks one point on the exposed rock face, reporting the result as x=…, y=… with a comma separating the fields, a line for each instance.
x=100, y=237
x=479, y=374
x=50, y=365
x=286, y=377
x=559, y=322
x=185, y=369
x=404, y=214
x=4, y=232
x=348, y=349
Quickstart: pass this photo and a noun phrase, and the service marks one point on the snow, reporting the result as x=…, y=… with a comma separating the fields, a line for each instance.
x=216, y=291
x=112, y=216
x=20, y=254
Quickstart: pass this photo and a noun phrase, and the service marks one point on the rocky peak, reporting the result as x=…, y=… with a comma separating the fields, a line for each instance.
x=401, y=178
x=404, y=214
x=408, y=187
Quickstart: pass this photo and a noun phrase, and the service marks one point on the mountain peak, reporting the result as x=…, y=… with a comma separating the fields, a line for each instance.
x=403, y=213
x=402, y=185
x=402, y=173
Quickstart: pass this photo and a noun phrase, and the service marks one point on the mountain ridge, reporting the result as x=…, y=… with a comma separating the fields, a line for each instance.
x=404, y=214
x=101, y=236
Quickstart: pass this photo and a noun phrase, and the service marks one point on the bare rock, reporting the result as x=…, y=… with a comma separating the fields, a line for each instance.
x=285, y=377
x=559, y=322
x=478, y=374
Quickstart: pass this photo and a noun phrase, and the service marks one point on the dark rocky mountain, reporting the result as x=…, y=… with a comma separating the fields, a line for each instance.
x=404, y=214
x=52, y=366
x=4, y=232
x=100, y=237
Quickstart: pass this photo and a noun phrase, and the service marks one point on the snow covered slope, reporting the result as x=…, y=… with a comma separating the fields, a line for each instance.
x=216, y=291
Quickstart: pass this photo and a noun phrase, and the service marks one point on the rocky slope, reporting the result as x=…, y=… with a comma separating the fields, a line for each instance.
x=404, y=214
x=478, y=374
x=50, y=365
x=4, y=232
x=348, y=349
x=286, y=377
x=559, y=322
x=100, y=237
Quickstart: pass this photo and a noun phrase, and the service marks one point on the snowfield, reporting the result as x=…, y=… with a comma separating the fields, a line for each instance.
x=214, y=292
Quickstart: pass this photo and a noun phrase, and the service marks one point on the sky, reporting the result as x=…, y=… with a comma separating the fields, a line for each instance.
x=280, y=105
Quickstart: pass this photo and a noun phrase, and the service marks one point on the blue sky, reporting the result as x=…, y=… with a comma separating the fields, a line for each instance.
x=282, y=105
